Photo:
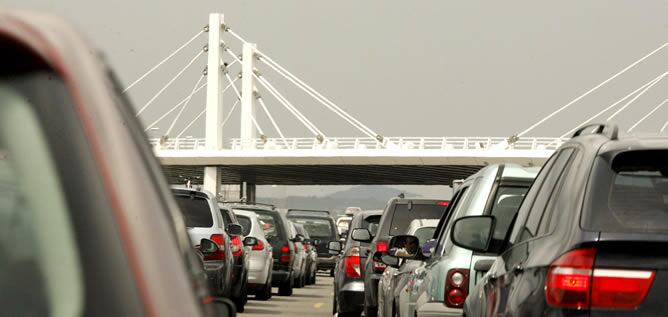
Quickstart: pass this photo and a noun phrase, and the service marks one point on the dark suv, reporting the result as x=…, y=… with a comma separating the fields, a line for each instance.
x=322, y=229
x=397, y=215
x=590, y=237
x=275, y=227
x=239, y=278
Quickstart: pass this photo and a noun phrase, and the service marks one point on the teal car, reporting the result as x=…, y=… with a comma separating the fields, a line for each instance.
x=440, y=284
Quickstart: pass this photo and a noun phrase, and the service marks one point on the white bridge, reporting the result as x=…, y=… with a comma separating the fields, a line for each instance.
x=368, y=158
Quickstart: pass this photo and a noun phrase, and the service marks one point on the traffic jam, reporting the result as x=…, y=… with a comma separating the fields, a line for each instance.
x=91, y=227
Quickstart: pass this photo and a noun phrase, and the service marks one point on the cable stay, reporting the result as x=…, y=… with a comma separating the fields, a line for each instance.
x=642, y=92
x=647, y=115
x=185, y=105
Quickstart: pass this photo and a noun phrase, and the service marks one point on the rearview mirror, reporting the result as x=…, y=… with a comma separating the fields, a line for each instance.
x=334, y=247
x=250, y=241
x=473, y=233
x=404, y=246
x=234, y=229
x=208, y=247
x=298, y=238
x=361, y=235
x=307, y=241
x=316, y=241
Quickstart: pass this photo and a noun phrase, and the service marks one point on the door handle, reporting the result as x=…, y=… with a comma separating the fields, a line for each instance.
x=518, y=269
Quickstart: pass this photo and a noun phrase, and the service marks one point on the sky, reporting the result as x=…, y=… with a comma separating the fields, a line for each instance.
x=403, y=68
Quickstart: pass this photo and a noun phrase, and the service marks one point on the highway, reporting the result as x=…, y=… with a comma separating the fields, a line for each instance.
x=311, y=300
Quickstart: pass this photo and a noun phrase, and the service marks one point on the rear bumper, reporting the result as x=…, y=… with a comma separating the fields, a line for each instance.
x=350, y=297
x=434, y=309
x=327, y=263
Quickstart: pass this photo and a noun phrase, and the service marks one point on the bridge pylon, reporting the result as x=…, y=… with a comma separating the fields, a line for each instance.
x=214, y=98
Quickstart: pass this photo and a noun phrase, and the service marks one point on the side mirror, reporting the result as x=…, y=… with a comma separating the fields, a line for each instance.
x=298, y=238
x=208, y=247
x=307, y=241
x=473, y=233
x=361, y=235
x=316, y=241
x=234, y=229
x=428, y=247
x=250, y=241
x=404, y=247
x=334, y=247
x=391, y=261
x=344, y=234
x=224, y=307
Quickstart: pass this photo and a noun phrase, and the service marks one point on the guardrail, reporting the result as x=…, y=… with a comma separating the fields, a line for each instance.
x=362, y=143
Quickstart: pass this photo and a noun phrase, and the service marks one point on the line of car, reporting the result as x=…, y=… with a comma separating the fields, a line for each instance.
x=584, y=235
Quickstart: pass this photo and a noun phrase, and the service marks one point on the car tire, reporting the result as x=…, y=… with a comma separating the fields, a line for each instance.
x=350, y=314
x=331, y=273
x=313, y=278
x=264, y=293
x=370, y=312
x=240, y=302
x=285, y=289
x=334, y=304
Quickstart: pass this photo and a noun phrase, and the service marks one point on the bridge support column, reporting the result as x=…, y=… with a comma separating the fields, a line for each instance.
x=247, y=190
x=247, y=133
x=214, y=99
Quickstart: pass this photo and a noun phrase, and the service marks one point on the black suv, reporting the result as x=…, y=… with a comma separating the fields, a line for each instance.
x=396, y=217
x=590, y=238
x=322, y=229
x=275, y=227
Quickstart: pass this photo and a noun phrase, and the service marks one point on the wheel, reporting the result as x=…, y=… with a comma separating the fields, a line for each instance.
x=331, y=273
x=351, y=314
x=334, y=305
x=264, y=293
x=370, y=311
x=299, y=282
x=285, y=289
x=315, y=273
x=240, y=302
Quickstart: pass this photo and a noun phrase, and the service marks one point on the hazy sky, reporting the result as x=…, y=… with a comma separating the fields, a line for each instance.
x=411, y=68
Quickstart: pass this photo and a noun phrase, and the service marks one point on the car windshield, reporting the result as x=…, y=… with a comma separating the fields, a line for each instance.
x=629, y=195
x=506, y=204
x=245, y=223
x=402, y=216
x=316, y=228
x=195, y=211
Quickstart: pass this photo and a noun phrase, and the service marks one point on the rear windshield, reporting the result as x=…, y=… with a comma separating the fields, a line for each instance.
x=629, y=195
x=195, y=210
x=316, y=228
x=402, y=217
x=245, y=223
x=271, y=224
x=506, y=204
x=371, y=223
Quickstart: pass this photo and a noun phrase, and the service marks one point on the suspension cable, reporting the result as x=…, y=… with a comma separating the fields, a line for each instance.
x=229, y=114
x=610, y=107
x=190, y=124
x=164, y=60
x=590, y=91
x=170, y=82
x=235, y=35
x=173, y=108
x=271, y=118
x=185, y=105
x=647, y=115
x=642, y=92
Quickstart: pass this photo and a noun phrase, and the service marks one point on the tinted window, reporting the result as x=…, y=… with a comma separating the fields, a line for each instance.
x=629, y=195
x=316, y=228
x=402, y=216
x=195, y=211
x=271, y=224
x=245, y=223
x=227, y=219
x=506, y=203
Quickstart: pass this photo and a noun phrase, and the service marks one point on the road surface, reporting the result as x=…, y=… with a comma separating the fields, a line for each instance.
x=312, y=300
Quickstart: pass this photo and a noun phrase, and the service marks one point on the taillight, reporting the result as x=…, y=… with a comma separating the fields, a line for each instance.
x=456, y=287
x=352, y=263
x=237, y=246
x=220, y=254
x=444, y=203
x=381, y=246
x=285, y=254
x=379, y=267
x=573, y=281
x=259, y=246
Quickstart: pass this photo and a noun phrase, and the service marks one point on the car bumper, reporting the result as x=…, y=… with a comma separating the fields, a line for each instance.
x=351, y=297
x=258, y=276
x=327, y=263
x=438, y=309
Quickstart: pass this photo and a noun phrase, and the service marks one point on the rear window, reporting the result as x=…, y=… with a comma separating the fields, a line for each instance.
x=271, y=224
x=629, y=195
x=316, y=228
x=195, y=211
x=246, y=225
x=402, y=217
x=371, y=223
x=424, y=233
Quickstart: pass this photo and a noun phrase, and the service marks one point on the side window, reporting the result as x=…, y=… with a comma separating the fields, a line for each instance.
x=454, y=204
x=537, y=207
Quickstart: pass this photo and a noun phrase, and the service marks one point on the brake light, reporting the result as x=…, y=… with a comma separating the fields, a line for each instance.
x=381, y=246
x=352, y=263
x=573, y=281
x=220, y=254
x=259, y=246
x=285, y=255
x=379, y=267
x=237, y=246
x=444, y=203
x=456, y=288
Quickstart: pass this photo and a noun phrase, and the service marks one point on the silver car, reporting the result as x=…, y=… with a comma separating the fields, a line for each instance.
x=260, y=255
x=299, y=265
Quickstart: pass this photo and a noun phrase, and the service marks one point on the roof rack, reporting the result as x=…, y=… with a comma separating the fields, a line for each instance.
x=609, y=130
x=307, y=212
x=243, y=202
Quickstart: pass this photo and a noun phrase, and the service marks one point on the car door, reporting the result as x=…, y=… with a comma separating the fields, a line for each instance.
x=513, y=281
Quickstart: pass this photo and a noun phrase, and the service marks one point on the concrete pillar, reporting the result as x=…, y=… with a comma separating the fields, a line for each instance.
x=248, y=191
x=214, y=99
x=247, y=132
x=212, y=179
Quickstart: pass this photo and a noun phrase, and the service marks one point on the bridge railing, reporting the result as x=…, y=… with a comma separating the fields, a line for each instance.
x=361, y=143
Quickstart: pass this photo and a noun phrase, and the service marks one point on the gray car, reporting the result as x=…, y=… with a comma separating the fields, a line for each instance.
x=348, y=282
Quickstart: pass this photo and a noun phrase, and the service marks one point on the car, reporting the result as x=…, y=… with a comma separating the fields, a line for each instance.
x=300, y=257
x=342, y=224
x=348, y=284
x=260, y=255
x=89, y=227
x=311, y=265
x=204, y=221
x=395, y=279
x=590, y=237
x=278, y=232
x=397, y=215
x=240, y=258
x=320, y=226
x=439, y=285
